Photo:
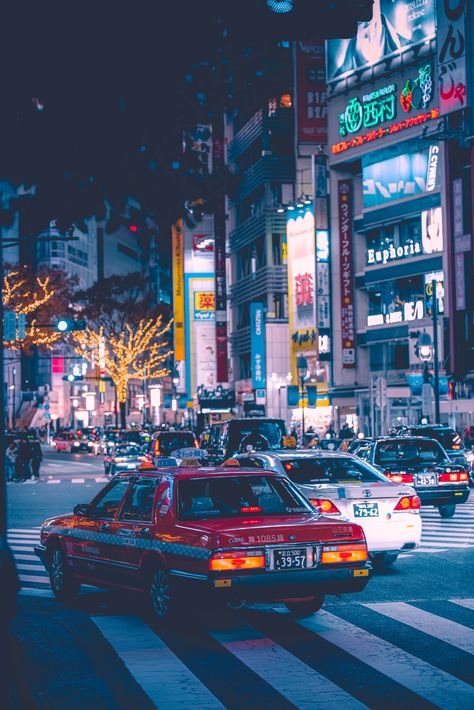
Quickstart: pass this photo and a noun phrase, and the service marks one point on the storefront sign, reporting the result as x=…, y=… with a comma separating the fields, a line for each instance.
x=460, y=281
x=257, y=345
x=452, y=50
x=204, y=305
x=403, y=176
x=344, y=192
x=395, y=26
x=311, y=102
x=432, y=230
x=411, y=310
x=300, y=236
x=178, y=290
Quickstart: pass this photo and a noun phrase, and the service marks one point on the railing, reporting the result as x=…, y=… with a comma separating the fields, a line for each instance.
x=280, y=122
x=240, y=341
x=254, y=227
x=267, y=169
x=270, y=279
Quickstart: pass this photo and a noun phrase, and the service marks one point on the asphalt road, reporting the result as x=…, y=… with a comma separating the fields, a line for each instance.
x=407, y=640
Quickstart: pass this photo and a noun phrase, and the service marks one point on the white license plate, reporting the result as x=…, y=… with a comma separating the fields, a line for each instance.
x=366, y=510
x=293, y=558
x=425, y=479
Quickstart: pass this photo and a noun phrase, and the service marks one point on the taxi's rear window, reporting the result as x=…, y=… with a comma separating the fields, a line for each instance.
x=239, y=496
x=307, y=471
x=171, y=442
x=408, y=451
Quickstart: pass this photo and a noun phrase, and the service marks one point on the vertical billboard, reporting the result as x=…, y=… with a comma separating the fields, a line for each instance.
x=300, y=238
x=344, y=197
x=452, y=51
x=178, y=289
x=219, y=257
x=257, y=345
x=395, y=25
x=311, y=101
x=197, y=149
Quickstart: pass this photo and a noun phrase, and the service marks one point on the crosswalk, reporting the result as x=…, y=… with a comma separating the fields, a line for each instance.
x=52, y=480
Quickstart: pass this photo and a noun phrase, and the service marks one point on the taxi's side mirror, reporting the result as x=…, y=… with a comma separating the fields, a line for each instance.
x=82, y=509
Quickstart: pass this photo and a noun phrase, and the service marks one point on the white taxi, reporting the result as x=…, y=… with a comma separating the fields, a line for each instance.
x=342, y=486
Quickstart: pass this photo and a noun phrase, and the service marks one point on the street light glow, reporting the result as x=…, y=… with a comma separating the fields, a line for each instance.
x=62, y=326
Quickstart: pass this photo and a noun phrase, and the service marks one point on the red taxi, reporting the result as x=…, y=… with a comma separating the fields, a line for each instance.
x=179, y=533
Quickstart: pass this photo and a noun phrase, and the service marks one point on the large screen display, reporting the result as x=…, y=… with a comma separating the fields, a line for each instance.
x=395, y=25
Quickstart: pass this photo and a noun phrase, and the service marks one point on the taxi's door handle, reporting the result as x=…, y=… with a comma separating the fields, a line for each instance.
x=104, y=527
x=144, y=532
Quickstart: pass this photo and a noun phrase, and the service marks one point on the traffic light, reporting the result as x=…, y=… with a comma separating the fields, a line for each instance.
x=65, y=326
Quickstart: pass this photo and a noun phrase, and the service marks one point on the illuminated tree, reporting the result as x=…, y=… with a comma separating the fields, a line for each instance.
x=42, y=297
x=127, y=337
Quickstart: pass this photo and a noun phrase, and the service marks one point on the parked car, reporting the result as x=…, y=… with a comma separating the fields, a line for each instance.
x=424, y=464
x=225, y=437
x=66, y=441
x=342, y=486
x=193, y=535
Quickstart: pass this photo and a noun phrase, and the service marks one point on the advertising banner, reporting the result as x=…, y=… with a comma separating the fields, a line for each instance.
x=395, y=26
x=344, y=194
x=452, y=50
x=201, y=333
x=311, y=104
x=178, y=290
x=257, y=345
x=204, y=305
x=300, y=237
x=404, y=176
x=197, y=149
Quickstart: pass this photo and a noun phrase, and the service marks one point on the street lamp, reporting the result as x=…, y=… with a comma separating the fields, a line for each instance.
x=426, y=350
x=174, y=401
x=302, y=370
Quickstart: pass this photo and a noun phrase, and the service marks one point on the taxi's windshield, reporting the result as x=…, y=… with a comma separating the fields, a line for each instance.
x=408, y=452
x=127, y=451
x=308, y=471
x=239, y=496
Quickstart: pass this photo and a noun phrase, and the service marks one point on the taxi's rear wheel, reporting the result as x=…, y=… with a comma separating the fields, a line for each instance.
x=447, y=511
x=63, y=583
x=383, y=559
x=161, y=597
x=306, y=607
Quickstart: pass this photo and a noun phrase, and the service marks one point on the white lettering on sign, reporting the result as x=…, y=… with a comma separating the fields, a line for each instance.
x=382, y=256
x=433, y=160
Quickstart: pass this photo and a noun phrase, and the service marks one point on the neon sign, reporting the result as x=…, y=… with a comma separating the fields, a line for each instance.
x=375, y=134
x=417, y=94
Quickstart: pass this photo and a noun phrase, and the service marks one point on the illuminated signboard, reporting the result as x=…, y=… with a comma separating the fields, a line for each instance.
x=403, y=176
x=405, y=311
x=431, y=241
x=380, y=105
x=204, y=305
x=395, y=26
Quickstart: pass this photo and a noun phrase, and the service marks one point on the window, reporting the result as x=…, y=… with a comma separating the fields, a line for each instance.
x=224, y=497
x=308, y=470
x=139, y=501
x=408, y=452
x=108, y=503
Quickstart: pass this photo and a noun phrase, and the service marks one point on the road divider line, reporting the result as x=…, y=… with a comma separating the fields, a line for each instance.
x=162, y=675
x=284, y=672
x=431, y=683
x=466, y=603
x=440, y=628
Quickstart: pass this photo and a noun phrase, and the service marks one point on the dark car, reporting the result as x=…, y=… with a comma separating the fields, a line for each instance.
x=225, y=437
x=165, y=442
x=449, y=439
x=424, y=464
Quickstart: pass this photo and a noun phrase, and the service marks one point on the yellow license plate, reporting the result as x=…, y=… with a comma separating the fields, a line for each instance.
x=361, y=573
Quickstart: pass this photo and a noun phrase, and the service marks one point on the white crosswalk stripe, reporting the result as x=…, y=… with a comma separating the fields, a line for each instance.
x=441, y=534
x=21, y=542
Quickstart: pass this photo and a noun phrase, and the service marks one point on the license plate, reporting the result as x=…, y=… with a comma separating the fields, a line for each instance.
x=366, y=510
x=425, y=479
x=131, y=465
x=294, y=558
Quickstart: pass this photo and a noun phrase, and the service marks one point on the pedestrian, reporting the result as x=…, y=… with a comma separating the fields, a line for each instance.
x=36, y=458
x=10, y=460
x=23, y=460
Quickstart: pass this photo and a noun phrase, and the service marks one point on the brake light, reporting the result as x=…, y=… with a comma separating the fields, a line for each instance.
x=157, y=448
x=325, y=506
x=453, y=477
x=196, y=444
x=251, y=509
x=288, y=466
x=408, y=503
x=399, y=477
x=245, y=559
x=232, y=462
x=335, y=554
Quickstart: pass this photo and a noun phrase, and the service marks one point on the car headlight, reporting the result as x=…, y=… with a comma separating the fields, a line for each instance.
x=76, y=443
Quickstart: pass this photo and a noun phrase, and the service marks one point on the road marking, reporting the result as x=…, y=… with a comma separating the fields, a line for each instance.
x=20, y=548
x=23, y=530
x=420, y=549
x=433, y=684
x=29, y=568
x=36, y=593
x=284, y=672
x=33, y=578
x=78, y=480
x=466, y=603
x=53, y=480
x=445, y=542
x=162, y=675
x=27, y=558
x=443, y=629
x=101, y=479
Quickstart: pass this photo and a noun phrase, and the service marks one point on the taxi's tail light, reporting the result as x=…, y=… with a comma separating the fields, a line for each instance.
x=157, y=448
x=241, y=559
x=251, y=509
x=196, y=444
x=335, y=554
x=399, y=477
x=408, y=503
x=326, y=507
x=453, y=477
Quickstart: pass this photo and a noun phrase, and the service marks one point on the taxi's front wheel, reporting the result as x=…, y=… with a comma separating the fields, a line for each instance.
x=160, y=595
x=306, y=607
x=63, y=583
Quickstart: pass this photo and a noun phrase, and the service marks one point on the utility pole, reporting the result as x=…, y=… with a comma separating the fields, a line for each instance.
x=435, y=351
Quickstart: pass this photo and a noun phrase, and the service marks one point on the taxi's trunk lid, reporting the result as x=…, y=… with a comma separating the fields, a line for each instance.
x=370, y=500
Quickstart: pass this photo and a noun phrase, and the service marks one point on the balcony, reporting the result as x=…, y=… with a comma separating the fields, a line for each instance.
x=253, y=227
x=240, y=341
x=270, y=279
x=280, y=122
x=267, y=169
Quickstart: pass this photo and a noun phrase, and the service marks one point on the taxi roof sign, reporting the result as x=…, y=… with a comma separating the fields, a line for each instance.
x=165, y=462
x=189, y=463
x=189, y=452
x=289, y=442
